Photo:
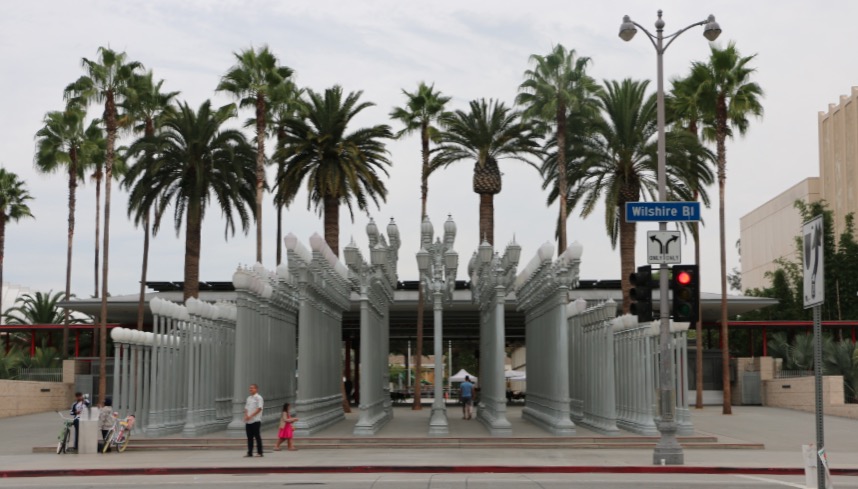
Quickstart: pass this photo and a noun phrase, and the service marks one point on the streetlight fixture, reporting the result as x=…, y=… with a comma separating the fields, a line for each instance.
x=437, y=263
x=668, y=450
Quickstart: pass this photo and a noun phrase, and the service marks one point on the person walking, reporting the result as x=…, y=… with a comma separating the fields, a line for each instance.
x=80, y=403
x=253, y=420
x=286, y=430
x=466, y=393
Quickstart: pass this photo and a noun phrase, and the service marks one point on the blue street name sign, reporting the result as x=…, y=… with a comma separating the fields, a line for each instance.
x=662, y=211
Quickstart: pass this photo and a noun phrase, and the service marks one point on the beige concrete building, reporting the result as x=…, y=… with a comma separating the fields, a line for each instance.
x=768, y=232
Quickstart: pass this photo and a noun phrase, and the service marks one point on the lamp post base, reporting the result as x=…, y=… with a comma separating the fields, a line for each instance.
x=438, y=425
x=668, y=451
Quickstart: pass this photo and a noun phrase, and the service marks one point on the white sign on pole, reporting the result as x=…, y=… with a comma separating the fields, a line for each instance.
x=814, y=263
x=663, y=247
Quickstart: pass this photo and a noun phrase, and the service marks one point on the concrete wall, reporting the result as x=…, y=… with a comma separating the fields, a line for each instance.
x=19, y=397
x=764, y=365
x=798, y=394
x=838, y=157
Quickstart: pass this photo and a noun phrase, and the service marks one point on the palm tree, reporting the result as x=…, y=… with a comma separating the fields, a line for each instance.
x=555, y=88
x=424, y=108
x=189, y=163
x=339, y=166
x=623, y=165
x=728, y=98
x=251, y=80
x=145, y=106
x=63, y=144
x=38, y=308
x=489, y=132
x=106, y=81
x=13, y=208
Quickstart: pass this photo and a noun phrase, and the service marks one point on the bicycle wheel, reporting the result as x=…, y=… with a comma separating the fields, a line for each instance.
x=108, y=440
x=126, y=437
x=64, y=441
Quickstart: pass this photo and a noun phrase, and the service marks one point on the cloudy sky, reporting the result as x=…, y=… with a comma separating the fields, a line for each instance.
x=468, y=49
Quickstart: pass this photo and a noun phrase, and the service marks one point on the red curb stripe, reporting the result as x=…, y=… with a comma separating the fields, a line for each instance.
x=373, y=469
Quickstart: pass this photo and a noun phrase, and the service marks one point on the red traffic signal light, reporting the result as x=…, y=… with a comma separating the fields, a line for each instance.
x=685, y=284
x=683, y=277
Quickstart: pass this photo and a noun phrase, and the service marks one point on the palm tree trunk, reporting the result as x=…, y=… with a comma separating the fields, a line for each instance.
x=721, y=151
x=487, y=218
x=110, y=122
x=98, y=177
x=417, y=405
x=627, y=256
x=332, y=223
x=698, y=327
x=140, y=309
x=424, y=173
x=72, y=202
x=279, y=234
x=562, y=184
x=193, y=233
x=260, y=170
x=2, y=254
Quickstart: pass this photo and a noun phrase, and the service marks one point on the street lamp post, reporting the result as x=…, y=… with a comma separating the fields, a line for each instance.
x=667, y=451
x=437, y=263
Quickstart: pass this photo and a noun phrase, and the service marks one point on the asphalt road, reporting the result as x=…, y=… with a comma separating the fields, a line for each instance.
x=430, y=481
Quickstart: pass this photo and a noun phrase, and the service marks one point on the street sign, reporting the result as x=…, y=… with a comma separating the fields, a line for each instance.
x=663, y=247
x=662, y=211
x=814, y=263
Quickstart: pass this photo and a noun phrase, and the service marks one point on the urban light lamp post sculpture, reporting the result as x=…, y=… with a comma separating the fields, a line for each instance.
x=668, y=450
x=437, y=263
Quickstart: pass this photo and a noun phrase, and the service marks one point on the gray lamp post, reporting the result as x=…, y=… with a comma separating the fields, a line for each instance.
x=667, y=450
x=437, y=263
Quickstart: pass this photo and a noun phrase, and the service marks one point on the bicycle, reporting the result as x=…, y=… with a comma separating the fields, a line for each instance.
x=120, y=434
x=65, y=434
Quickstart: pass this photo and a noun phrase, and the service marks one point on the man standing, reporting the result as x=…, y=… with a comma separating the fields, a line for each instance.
x=77, y=408
x=253, y=420
x=466, y=391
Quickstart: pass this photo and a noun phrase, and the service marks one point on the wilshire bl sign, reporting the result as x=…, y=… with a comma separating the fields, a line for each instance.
x=662, y=211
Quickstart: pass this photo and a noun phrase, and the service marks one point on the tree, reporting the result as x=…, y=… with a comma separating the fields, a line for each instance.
x=189, y=163
x=13, y=207
x=623, y=165
x=38, y=308
x=424, y=108
x=251, y=80
x=554, y=89
x=63, y=144
x=728, y=98
x=105, y=81
x=338, y=166
x=489, y=132
x=144, y=108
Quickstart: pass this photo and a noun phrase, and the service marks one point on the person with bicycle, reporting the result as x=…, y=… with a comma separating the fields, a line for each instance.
x=105, y=417
x=80, y=403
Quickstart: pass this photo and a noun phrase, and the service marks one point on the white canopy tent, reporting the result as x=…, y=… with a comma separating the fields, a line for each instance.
x=460, y=376
x=515, y=375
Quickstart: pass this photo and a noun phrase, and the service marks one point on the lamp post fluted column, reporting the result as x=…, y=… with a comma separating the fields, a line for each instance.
x=667, y=451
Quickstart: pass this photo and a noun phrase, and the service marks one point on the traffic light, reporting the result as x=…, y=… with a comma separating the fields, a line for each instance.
x=685, y=284
x=641, y=294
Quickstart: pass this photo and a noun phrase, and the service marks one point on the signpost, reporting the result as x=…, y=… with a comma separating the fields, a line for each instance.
x=662, y=211
x=814, y=296
x=663, y=247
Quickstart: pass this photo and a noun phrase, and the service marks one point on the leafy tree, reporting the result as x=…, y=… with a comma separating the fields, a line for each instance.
x=728, y=98
x=194, y=161
x=425, y=107
x=337, y=166
x=251, y=80
x=490, y=131
x=10, y=361
x=556, y=89
x=13, y=207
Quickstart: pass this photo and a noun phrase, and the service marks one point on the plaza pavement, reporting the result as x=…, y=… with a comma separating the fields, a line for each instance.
x=781, y=431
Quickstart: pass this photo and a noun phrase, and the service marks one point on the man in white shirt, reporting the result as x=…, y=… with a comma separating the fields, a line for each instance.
x=80, y=403
x=253, y=420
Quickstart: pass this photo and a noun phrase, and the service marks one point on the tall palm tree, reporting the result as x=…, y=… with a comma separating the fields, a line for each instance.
x=729, y=97
x=425, y=107
x=251, y=80
x=106, y=80
x=623, y=165
x=488, y=132
x=38, y=308
x=337, y=165
x=63, y=144
x=556, y=87
x=144, y=108
x=13, y=207
x=189, y=163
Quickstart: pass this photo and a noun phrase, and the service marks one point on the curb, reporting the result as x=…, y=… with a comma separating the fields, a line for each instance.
x=443, y=469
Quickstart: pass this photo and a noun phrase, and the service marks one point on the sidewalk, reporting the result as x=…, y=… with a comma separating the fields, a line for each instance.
x=781, y=431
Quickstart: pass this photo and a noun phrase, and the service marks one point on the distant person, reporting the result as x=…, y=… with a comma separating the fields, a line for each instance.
x=253, y=420
x=466, y=394
x=349, y=386
x=286, y=430
x=105, y=417
x=80, y=403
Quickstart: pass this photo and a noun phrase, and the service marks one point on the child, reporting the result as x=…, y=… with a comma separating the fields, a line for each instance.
x=286, y=429
x=105, y=417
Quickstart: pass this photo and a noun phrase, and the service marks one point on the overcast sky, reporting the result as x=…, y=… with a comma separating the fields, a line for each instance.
x=468, y=49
